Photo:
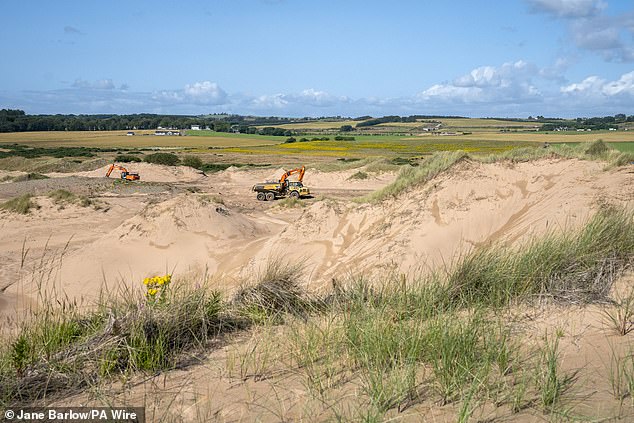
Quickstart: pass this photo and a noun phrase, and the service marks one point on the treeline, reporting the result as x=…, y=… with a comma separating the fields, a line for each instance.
x=370, y=121
x=19, y=121
x=594, y=123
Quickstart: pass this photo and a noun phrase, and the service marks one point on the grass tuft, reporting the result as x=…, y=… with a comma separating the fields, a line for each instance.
x=277, y=291
x=575, y=266
x=412, y=176
x=20, y=205
x=62, y=197
x=359, y=175
x=291, y=203
x=63, y=350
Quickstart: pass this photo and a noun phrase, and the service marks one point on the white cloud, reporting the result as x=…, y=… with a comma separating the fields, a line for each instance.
x=100, y=84
x=594, y=86
x=316, y=98
x=202, y=93
x=556, y=70
x=509, y=82
x=590, y=29
x=510, y=90
x=205, y=92
x=624, y=85
x=275, y=101
x=590, y=84
x=567, y=8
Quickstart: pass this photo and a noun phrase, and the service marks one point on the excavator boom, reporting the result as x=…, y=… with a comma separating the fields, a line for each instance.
x=300, y=170
x=130, y=176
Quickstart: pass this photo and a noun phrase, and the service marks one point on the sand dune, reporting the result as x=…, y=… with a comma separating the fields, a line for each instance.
x=424, y=228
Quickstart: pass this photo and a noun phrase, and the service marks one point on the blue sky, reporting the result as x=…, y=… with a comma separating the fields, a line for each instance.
x=476, y=58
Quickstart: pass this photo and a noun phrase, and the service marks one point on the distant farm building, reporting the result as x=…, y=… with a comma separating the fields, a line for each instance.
x=195, y=127
x=169, y=132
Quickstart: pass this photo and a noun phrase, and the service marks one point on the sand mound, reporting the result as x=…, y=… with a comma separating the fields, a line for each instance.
x=188, y=233
x=148, y=172
x=473, y=204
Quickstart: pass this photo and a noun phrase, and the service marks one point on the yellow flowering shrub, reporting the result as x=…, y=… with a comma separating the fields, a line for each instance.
x=156, y=287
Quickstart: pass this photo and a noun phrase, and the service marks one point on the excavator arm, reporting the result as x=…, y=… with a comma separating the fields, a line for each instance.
x=300, y=170
x=113, y=167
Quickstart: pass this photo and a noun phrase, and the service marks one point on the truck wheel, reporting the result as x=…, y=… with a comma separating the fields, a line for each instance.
x=294, y=194
x=260, y=196
x=270, y=196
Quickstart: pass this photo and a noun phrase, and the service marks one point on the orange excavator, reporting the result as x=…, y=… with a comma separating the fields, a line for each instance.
x=300, y=178
x=128, y=176
x=269, y=191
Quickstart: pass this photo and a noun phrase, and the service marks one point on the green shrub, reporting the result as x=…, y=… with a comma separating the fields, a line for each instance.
x=192, y=161
x=127, y=158
x=167, y=159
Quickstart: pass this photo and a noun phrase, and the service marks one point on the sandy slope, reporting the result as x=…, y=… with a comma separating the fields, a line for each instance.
x=472, y=204
x=424, y=228
x=148, y=172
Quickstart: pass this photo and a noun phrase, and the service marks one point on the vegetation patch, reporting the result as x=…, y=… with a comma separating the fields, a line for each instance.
x=192, y=161
x=574, y=267
x=21, y=150
x=291, y=202
x=359, y=175
x=167, y=159
x=127, y=158
x=62, y=197
x=20, y=205
x=29, y=177
x=411, y=176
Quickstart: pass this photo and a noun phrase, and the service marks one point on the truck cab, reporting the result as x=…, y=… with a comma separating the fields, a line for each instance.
x=297, y=189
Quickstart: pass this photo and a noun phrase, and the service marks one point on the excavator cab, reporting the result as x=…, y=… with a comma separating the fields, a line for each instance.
x=130, y=176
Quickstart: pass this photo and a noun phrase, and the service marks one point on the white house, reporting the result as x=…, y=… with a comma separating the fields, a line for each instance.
x=195, y=127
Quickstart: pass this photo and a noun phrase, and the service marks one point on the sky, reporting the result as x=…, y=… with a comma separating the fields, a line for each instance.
x=476, y=58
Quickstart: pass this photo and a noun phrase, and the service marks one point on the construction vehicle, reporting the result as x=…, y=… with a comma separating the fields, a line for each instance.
x=269, y=191
x=128, y=176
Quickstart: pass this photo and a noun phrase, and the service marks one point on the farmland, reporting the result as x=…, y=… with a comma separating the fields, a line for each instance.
x=142, y=139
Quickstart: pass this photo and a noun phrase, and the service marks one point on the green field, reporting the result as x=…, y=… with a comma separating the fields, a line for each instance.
x=626, y=147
